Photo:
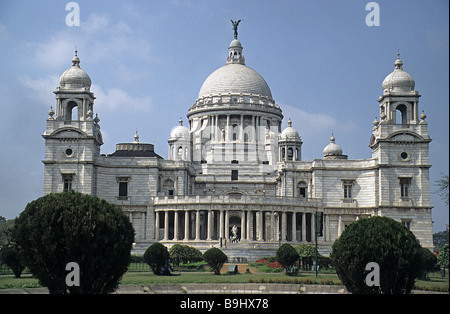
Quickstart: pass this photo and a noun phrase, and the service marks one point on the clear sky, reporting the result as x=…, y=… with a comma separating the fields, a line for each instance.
x=148, y=59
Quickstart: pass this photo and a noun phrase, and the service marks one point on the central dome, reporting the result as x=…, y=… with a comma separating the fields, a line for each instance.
x=235, y=78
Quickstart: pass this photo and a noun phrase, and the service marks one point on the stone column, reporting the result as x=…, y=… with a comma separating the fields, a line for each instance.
x=327, y=228
x=249, y=219
x=210, y=225
x=186, y=225
x=243, y=224
x=258, y=216
x=143, y=225
x=227, y=130
x=283, y=226
x=221, y=225
x=241, y=129
x=197, y=226
x=166, y=225
x=303, y=227
x=294, y=227
x=156, y=226
x=253, y=129
x=313, y=227
x=227, y=226
x=175, y=226
x=339, y=226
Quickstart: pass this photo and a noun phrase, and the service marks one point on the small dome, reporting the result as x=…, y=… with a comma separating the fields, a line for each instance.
x=75, y=77
x=235, y=44
x=179, y=132
x=290, y=133
x=398, y=80
x=332, y=149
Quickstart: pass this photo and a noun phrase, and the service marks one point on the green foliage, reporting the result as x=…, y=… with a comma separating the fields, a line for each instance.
x=184, y=254
x=305, y=250
x=442, y=258
x=10, y=255
x=440, y=239
x=72, y=227
x=287, y=256
x=215, y=259
x=157, y=257
x=381, y=240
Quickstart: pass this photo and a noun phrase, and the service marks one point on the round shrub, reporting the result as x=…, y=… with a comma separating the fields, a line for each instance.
x=10, y=255
x=157, y=256
x=381, y=240
x=215, y=259
x=287, y=256
x=60, y=228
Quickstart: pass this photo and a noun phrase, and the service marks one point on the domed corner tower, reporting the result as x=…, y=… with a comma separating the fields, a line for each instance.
x=290, y=144
x=400, y=144
x=73, y=136
x=180, y=143
x=235, y=117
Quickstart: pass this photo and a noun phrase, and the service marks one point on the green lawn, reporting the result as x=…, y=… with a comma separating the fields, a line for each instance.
x=146, y=278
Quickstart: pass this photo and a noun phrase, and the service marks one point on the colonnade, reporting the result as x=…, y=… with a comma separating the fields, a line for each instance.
x=226, y=134
x=240, y=225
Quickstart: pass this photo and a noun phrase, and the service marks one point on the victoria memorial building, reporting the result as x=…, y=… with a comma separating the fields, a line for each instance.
x=234, y=179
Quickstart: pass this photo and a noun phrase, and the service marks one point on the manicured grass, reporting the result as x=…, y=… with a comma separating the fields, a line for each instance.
x=436, y=282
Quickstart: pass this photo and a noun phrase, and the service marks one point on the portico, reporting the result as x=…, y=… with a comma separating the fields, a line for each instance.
x=211, y=219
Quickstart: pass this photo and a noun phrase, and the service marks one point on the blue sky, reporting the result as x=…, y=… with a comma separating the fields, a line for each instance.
x=148, y=59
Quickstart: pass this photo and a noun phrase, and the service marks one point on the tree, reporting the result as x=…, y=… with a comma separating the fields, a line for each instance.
x=428, y=263
x=442, y=258
x=5, y=230
x=440, y=239
x=381, y=240
x=443, y=187
x=287, y=256
x=306, y=254
x=62, y=228
x=157, y=256
x=10, y=255
x=215, y=259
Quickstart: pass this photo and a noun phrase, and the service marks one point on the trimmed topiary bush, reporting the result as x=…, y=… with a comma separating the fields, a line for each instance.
x=10, y=255
x=157, y=256
x=215, y=259
x=287, y=256
x=381, y=240
x=61, y=228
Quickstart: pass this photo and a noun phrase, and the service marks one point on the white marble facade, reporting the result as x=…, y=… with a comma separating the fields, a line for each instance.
x=233, y=167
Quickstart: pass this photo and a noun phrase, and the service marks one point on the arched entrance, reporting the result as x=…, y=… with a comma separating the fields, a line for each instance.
x=235, y=228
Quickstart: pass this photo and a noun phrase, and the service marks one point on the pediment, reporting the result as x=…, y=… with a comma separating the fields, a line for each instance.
x=68, y=133
x=405, y=137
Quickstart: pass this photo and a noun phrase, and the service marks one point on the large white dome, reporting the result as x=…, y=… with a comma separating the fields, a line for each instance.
x=235, y=78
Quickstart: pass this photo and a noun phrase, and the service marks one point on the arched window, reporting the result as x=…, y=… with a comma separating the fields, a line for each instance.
x=290, y=153
x=235, y=133
x=68, y=111
x=283, y=153
x=401, y=116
